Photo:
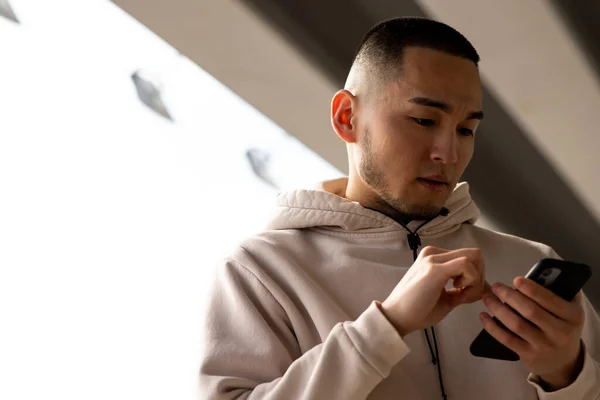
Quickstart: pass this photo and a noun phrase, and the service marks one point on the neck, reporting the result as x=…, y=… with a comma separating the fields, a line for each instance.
x=384, y=208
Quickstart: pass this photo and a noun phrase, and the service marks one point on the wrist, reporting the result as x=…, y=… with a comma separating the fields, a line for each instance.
x=565, y=376
x=387, y=314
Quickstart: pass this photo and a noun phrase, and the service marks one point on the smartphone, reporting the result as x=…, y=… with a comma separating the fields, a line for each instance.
x=564, y=278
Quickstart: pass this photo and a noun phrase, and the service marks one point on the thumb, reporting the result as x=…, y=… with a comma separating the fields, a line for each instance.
x=469, y=294
x=454, y=297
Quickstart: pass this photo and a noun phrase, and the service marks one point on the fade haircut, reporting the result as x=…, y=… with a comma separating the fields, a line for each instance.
x=380, y=54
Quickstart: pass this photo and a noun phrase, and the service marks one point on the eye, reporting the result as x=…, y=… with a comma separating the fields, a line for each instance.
x=424, y=121
x=465, y=132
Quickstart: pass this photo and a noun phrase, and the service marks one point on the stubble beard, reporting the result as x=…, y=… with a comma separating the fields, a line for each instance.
x=395, y=207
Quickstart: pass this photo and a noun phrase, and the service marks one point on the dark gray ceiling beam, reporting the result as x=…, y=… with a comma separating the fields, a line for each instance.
x=582, y=17
x=330, y=46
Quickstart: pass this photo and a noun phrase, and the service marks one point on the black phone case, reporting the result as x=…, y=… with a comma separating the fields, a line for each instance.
x=570, y=281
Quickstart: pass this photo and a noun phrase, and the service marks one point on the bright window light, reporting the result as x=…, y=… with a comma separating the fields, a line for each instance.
x=112, y=217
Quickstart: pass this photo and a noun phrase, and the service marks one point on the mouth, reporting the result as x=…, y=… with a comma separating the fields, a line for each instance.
x=434, y=183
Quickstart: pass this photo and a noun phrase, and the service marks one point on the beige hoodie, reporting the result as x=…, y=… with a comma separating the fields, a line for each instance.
x=292, y=312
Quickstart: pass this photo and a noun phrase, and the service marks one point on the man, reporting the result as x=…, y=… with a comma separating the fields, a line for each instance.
x=295, y=312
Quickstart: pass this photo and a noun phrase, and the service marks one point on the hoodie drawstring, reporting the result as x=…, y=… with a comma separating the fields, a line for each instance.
x=414, y=241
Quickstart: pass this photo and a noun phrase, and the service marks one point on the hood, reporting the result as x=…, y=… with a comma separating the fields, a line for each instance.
x=325, y=206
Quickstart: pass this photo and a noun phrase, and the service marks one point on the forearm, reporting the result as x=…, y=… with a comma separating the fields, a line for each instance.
x=353, y=359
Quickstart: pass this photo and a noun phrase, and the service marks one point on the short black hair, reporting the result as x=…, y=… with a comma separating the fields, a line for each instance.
x=383, y=45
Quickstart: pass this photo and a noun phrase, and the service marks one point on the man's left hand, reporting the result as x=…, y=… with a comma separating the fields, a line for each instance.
x=545, y=330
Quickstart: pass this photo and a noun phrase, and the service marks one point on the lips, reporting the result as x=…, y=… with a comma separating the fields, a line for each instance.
x=435, y=183
x=435, y=179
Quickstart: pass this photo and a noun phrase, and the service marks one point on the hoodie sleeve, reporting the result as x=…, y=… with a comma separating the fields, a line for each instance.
x=587, y=384
x=251, y=352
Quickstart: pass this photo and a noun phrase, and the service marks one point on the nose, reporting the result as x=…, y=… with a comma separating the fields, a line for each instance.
x=444, y=148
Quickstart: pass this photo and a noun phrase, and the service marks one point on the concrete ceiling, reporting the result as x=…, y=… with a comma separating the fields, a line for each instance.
x=534, y=171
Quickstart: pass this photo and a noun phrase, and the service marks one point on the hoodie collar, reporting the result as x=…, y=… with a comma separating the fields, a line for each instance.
x=325, y=207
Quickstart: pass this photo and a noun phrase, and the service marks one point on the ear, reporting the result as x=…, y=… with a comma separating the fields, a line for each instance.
x=343, y=107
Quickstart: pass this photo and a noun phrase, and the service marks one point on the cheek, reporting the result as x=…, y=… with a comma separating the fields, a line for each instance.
x=398, y=147
x=401, y=159
x=399, y=136
x=393, y=150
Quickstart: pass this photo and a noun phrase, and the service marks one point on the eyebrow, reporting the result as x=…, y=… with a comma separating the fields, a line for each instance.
x=427, y=102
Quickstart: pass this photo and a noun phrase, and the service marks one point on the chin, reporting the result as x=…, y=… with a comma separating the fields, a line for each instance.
x=413, y=203
x=416, y=209
x=430, y=206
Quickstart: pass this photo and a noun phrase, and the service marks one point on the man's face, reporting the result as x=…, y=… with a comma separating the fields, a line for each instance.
x=417, y=135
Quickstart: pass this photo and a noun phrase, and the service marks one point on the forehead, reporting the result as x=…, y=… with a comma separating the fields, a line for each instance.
x=435, y=74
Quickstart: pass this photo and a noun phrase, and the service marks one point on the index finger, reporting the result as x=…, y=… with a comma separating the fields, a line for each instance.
x=473, y=254
x=551, y=302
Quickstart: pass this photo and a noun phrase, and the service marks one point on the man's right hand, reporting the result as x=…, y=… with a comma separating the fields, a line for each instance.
x=421, y=300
